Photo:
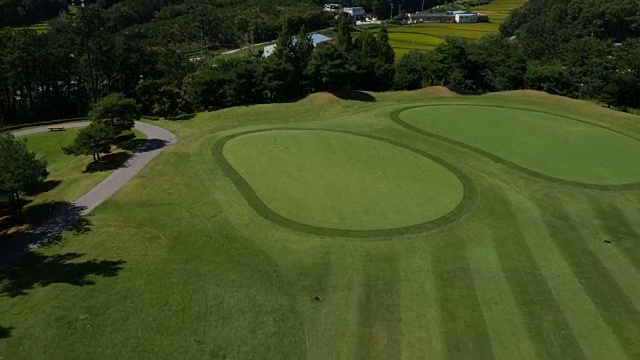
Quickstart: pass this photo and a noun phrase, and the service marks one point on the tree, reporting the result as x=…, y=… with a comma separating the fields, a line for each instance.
x=20, y=171
x=343, y=32
x=328, y=68
x=120, y=111
x=92, y=140
x=412, y=70
x=381, y=9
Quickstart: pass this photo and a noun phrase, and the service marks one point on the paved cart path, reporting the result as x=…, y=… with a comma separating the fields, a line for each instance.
x=157, y=140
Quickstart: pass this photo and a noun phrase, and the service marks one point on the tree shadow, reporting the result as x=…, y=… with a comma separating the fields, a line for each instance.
x=109, y=162
x=38, y=270
x=153, y=144
x=354, y=95
x=133, y=145
x=47, y=222
x=81, y=226
x=5, y=332
x=43, y=187
x=32, y=216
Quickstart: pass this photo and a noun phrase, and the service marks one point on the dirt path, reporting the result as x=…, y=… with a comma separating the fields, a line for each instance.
x=157, y=140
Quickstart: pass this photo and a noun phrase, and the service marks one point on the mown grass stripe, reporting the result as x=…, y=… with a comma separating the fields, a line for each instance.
x=340, y=292
x=419, y=306
x=615, y=308
x=545, y=322
x=508, y=335
x=617, y=227
x=631, y=211
x=592, y=333
x=616, y=263
x=379, y=319
x=463, y=325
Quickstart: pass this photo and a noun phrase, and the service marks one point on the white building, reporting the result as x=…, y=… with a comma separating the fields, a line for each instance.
x=466, y=18
x=355, y=12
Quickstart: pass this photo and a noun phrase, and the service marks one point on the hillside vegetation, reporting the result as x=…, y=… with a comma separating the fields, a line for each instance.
x=145, y=51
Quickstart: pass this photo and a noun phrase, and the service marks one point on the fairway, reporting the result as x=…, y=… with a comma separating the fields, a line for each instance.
x=417, y=224
x=343, y=181
x=550, y=144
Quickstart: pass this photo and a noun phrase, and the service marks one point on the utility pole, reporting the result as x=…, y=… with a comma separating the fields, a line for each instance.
x=391, y=6
x=422, y=5
x=86, y=45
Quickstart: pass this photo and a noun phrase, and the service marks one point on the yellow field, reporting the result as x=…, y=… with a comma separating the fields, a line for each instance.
x=428, y=35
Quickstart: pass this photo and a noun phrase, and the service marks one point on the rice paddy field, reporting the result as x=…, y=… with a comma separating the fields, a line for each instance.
x=413, y=225
x=426, y=36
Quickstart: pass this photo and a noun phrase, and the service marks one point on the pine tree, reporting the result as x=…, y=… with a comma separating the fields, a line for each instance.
x=20, y=171
x=92, y=140
x=343, y=30
x=284, y=43
x=386, y=51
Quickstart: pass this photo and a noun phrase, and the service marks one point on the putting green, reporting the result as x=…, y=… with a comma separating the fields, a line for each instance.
x=548, y=144
x=337, y=180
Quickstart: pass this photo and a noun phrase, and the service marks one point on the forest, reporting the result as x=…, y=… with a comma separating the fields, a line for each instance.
x=142, y=49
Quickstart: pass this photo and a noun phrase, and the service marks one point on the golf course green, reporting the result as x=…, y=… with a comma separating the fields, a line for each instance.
x=421, y=224
x=547, y=143
x=343, y=181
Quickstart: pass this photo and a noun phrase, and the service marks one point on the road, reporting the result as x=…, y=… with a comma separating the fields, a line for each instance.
x=157, y=140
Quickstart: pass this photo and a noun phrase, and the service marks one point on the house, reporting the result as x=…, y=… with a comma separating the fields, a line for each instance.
x=429, y=17
x=457, y=12
x=466, y=18
x=355, y=12
x=316, y=39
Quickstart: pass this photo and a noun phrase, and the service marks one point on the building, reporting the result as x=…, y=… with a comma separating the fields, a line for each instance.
x=458, y=12
x=466, y=18
x=316, y=39
x=355, y=12
x=335, y=8
x=430, y=17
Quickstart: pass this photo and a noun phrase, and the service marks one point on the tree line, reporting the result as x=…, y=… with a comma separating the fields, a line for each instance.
x=578, y=48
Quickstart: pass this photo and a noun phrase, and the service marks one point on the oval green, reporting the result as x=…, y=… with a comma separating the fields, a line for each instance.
x=546, y=143
x=337, y=180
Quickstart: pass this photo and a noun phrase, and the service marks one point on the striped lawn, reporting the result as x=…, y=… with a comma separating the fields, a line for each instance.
x=523, y=273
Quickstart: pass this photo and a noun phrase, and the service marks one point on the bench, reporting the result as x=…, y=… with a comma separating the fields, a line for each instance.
x=56, y=128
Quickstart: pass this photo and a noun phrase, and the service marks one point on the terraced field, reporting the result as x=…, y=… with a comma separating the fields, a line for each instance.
x=428, y=35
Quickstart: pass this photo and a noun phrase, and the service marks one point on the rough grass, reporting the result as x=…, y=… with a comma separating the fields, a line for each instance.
x=179, y=264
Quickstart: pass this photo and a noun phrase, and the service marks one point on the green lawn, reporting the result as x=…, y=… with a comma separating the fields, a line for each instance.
x=360, y=184
x=181, y=264
x=69, y=176
x=543, y=142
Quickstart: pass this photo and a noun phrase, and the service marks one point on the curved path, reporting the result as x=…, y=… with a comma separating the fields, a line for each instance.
x=157, y=140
